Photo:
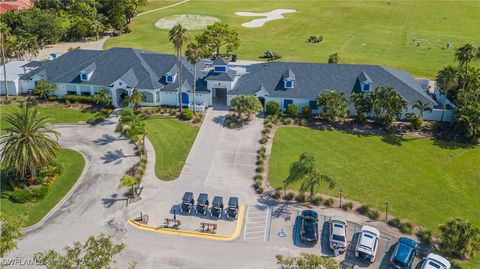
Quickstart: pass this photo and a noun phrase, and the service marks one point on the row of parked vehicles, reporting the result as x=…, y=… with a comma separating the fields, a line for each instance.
x=202, y=206
x=367, y=244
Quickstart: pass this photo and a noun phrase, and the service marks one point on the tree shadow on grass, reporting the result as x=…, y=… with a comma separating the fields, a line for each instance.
x=445, y=144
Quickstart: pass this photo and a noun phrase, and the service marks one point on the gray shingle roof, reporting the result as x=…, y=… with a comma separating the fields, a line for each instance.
x=311, y=79
x=220, y=61
x=144, y=70
x=221, y=76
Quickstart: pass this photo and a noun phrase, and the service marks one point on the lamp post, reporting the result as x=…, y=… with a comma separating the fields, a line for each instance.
x=341, y=194
x=387, y=204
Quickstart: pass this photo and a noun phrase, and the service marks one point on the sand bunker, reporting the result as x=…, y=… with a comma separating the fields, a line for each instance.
x=189, y=21
x=269, y=16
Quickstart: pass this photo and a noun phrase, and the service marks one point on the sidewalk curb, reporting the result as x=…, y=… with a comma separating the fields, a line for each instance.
x=218, y=237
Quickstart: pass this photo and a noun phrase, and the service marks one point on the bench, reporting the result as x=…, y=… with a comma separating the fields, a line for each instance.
x=208, y=227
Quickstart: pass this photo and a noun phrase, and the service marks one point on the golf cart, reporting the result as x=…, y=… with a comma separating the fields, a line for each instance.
x=202, y=204
x=187, y=202
x=232, y=209
x=217, y=207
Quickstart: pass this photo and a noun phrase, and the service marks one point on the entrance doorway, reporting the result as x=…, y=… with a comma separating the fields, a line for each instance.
x=220, y=96
x=262, y=101
x=122, y=95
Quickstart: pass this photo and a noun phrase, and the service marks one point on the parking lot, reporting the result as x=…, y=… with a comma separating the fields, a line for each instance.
x=280, y=225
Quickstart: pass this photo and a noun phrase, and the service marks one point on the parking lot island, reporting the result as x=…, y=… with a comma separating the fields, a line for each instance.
x=220, y=235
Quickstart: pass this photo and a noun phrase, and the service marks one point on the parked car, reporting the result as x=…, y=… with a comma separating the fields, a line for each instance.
x=202, y=204
x=217, y=207
x=187, y=202
x=309, y=227
x=338, y=233
x=367, y=243
x=435, y=261
x=232, y=210
x=404, y=253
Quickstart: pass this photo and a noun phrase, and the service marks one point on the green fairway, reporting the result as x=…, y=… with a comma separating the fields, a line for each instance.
x=172, y=140
x=57, y=115
x=366, y=32
x=73, y=164
x=425, y=181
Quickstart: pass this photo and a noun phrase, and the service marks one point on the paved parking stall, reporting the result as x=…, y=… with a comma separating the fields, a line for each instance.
x=257, y=223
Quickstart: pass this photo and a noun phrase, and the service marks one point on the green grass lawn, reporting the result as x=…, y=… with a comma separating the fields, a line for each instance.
x=366, y=32
x=73, y=164
x=57, y=115
x=172, y=140
x=425, y=181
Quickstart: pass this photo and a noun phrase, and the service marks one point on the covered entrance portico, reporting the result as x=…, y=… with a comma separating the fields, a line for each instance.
x=121, y=95
x=219, y=97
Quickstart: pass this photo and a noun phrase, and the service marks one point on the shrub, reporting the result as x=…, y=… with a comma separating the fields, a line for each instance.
x=292, y=110
x=78, y=98
x=260, y=169
x=328, y=202
x=264, y=140
x=259, y=190
x=266, y=131
x=406, y=227
x=198, y=118
x=258, y=177
x=303, y=122
x=347, y=206
x=276, y=194
x=317, y=200
x=289, y=196
x=287, y=121
x=395, y=222
x=172, y=112
x=363, y=209
x=307, y=112
x=32, y=194
x=272, y=108
x=373, y=214
x=270, y=55
x=425, y=235
x=262, y=149
x=186, y=114
x=260, y=162
x=301, y=198
x=52, y=98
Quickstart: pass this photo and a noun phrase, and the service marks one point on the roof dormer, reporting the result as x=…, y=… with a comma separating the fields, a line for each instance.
x=289, y=79
x=86, y=73
x=220, y=65
x=365, y=82
x=171, y=75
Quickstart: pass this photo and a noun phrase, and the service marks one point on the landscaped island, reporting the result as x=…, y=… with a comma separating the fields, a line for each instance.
x=72, y=163
x=424, y=180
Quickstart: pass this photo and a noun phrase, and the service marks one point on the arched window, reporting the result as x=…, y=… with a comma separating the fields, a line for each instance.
x=147, y=97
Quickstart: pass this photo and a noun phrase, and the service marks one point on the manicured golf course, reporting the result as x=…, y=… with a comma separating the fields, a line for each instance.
x=172, y=140
x=73, y=164
x=425, y=181
x=366, y=32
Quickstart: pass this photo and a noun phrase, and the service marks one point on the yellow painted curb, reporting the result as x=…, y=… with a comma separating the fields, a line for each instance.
x=220, y=237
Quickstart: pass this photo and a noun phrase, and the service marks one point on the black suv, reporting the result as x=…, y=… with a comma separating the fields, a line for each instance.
x=232, y=209
x=217, y=207
x=187, y=202
x=202, y=204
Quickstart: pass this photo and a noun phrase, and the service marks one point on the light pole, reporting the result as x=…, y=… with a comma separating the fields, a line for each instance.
x=341, y=194
x=387, y=204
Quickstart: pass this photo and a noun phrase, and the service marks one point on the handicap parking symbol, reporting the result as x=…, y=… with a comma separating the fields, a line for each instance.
x=282, y=233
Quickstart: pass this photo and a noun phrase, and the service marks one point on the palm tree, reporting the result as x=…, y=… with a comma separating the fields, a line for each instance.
x=447, y=81
x=178, y=36
x=3, y=33
x=311, y=184
x=387, y=104
x=129, y=181
x=422, y=107
x=194, y=53
x=464, y=55
x=304, y=169
x=103, y=97
x=29, y=145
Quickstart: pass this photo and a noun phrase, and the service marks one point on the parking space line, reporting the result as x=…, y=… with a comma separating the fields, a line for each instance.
x=387, y=246
x=246, y=222
x=270, y=224
x=266, y=221
x=256, y=232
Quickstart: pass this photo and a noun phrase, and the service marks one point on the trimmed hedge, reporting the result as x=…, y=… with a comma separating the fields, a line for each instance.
x=78, y=98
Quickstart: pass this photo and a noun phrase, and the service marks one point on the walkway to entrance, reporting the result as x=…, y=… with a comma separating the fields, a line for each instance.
x=222, y=159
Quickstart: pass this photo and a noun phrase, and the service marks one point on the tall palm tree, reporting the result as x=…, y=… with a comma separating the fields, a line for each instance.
x=422, y=107
x=447, y=81
x=29, y=145
x=194, y=54
x=464, y=55
x=178, y=36
x=3, y=33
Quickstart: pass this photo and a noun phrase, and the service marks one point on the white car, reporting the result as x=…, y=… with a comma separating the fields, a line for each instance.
x=338, y=233
x=367, y=243
x=434, y=261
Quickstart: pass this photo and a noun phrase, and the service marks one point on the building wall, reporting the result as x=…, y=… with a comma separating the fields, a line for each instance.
x=13, y=87
x=169, y=98
x=219, y=84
